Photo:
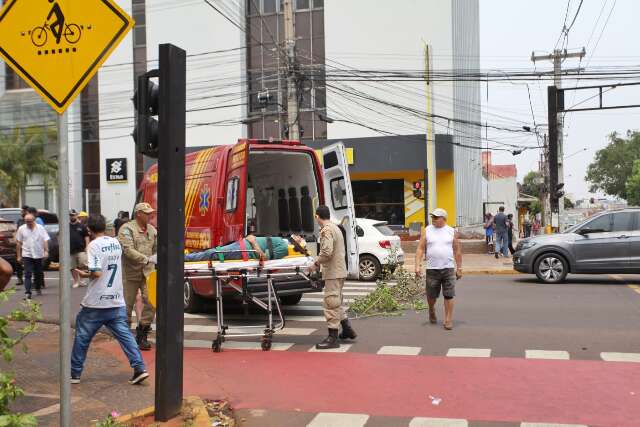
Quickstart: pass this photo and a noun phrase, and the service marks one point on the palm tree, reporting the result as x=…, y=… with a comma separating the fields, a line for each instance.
x=22, y=157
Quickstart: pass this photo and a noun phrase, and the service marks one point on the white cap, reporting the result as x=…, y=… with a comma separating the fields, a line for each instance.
x=439, y=212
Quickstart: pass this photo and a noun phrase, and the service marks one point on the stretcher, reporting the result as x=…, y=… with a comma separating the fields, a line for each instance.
x=241, y=277
x=237, y=276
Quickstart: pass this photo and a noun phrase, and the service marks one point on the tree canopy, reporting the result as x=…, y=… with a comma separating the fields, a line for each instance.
x=633, y=185
x=613, y=165
x=22, y=156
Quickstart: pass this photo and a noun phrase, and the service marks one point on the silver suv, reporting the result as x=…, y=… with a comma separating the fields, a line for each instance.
x=608, y=242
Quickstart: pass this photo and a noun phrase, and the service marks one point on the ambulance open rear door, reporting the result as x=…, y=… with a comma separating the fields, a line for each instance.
x=339, y=198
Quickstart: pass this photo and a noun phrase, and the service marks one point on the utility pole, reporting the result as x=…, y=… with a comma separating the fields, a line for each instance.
x=544, y=170
x=292, y=90
x=556, y=143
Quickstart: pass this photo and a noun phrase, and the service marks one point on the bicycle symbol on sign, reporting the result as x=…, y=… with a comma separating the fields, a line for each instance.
x=59, y=28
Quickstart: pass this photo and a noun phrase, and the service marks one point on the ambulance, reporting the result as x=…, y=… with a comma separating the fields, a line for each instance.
x=265, y=188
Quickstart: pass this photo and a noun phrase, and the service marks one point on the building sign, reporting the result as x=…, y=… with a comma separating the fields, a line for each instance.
x=117, y=170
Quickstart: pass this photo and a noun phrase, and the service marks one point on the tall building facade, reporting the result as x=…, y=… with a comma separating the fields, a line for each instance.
x=267, y=68
x=362, y=38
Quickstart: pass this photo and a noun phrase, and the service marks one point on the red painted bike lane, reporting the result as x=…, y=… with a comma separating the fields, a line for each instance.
x=479, y=389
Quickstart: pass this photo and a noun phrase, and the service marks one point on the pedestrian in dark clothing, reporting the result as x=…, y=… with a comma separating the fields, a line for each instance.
x=510, y=233
x=502, y=243
x=78, y=241
x=123, y=218
x=20, y=222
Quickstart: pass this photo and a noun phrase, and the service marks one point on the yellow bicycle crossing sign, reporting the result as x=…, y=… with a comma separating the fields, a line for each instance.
x=58, y=45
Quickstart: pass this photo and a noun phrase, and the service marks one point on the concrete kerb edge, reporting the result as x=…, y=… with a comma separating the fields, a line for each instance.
x=490, y=272
x=200, y=416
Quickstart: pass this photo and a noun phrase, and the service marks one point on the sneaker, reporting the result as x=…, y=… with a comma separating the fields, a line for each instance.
x=83, y=284
x=138, y=377
x=27, y=296
x=75, y=379
x=497, y=256
x=75, y=285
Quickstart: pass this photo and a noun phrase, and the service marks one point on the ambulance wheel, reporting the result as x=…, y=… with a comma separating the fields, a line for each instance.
x=291, y=299
x=192, y=302
x=266, y=344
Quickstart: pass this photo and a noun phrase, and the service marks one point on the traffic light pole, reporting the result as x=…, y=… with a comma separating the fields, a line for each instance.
x=171, y=156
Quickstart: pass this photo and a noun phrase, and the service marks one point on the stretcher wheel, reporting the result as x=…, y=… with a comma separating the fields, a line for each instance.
x=216, y=345
x=266, y=343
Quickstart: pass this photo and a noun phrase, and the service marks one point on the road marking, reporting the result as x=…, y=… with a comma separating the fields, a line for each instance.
x=438, y=422
x=346, y=294
x=551, y=425
x=547, y=354
x=288, y=318
x=620, y=357
x=469, y=352
x=342, y=349
x=399, y=350
x=235, y=345
x=636, y=288
x=327, y=419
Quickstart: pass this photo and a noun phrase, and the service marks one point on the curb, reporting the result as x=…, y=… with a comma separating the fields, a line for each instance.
x=199, y=414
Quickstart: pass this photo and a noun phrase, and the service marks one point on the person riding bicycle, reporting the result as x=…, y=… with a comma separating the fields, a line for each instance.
x=57, y=27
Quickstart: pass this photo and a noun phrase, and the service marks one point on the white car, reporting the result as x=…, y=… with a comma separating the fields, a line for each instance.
x=375, y=241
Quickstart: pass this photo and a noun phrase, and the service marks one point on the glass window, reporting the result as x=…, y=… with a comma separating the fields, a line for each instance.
x=382, y=228
x=637, y=216
x=602, y=224
x=302, y=4
x=622, y=221
x=232, y=194
x=359, y=231
x=268, y=6
x=330, y=160
x=339, y=193
x=380, y=200
x=317, y=4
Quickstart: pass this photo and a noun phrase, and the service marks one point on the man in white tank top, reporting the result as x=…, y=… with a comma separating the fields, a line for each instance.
x=444, y=264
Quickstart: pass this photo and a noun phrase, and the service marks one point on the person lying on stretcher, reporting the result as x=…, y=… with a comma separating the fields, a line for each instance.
x=251, y=248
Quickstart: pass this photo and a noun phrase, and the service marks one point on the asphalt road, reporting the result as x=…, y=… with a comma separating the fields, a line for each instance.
x=566, y=353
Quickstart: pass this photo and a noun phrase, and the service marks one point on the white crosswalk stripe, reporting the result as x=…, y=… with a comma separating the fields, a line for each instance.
x=327, y=419
x=469, y=352
x=620, y=357
x=438, y=422
x=546, y=354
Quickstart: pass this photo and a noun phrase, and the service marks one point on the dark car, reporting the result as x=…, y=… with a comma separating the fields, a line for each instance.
x=606, y=243
x=7, y=243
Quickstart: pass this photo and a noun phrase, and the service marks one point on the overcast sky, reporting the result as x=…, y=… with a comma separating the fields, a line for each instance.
x=509, y=32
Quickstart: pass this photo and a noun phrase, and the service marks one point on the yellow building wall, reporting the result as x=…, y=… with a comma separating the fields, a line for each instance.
x=446, y=194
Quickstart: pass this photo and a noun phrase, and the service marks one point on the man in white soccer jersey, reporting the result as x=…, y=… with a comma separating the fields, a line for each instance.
x=104, y=305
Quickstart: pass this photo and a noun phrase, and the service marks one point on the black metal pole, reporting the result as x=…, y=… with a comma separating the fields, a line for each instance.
x=170, y=317
x=552, y=97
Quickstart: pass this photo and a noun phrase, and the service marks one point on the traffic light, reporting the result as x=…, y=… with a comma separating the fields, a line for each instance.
x=558, y=190
x=417, y=189
x=146, y=102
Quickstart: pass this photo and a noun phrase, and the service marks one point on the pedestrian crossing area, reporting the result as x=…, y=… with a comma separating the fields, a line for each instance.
x=306, y=319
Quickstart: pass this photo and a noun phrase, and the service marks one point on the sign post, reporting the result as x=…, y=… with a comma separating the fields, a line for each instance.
x=64, y=282
x=57, y=46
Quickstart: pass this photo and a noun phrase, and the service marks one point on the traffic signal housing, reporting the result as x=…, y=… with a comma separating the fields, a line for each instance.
x=558, y=190
x=146, y=101
x=417, y=189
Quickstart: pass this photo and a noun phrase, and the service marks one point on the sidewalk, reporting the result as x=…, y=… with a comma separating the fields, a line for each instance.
x=104, y=387
x=474, y=264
